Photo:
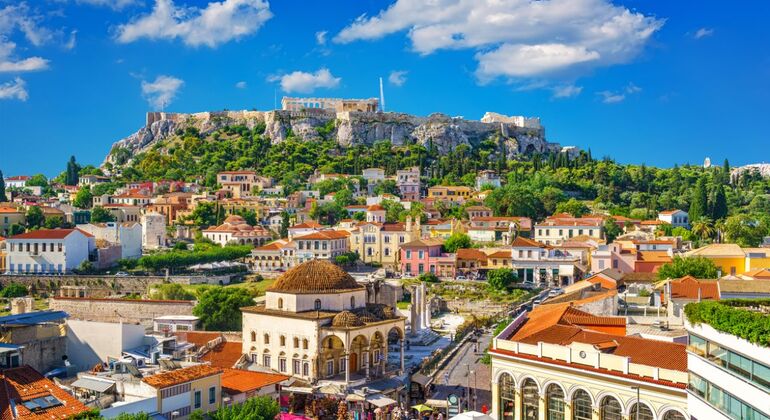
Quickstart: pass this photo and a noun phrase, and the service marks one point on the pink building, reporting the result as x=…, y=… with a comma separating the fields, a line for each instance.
x=425, y=256
x=613, y=256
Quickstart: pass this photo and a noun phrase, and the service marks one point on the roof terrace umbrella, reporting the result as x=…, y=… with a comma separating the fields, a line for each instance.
x=422, y=407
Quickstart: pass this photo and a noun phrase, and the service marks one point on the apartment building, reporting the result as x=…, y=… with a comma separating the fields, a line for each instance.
x=408, y=182
x=561, y=227
x=182, y=391
x=242, y=183
x=450, y=193
x=379, y=242
x=49, y=251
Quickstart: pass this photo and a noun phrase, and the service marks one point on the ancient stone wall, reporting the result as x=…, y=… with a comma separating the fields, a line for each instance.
x=45, y=354
x=120, y=310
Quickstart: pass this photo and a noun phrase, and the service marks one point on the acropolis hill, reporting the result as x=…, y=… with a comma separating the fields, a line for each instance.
x=356, y=121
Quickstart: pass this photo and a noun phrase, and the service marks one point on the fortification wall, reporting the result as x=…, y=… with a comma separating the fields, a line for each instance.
x=120, y=310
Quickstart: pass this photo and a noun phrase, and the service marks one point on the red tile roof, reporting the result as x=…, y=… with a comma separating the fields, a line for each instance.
x=23, y=384
x=199, y=338
x=691, y=288
x=224, y=355
x=526, y=242
x=471, y=254
x=49, y=234
x=236, y=381
x=180, y=376
x=325, y=235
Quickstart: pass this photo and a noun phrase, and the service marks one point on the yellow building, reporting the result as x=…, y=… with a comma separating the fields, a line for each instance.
x=450, y=193
x=558, y=362
x=10, y=216
x=442, y=229
x=733, y=260
x=185, y=390
x=379, y=242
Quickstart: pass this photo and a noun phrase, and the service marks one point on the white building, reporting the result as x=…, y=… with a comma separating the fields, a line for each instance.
x=561, y=227
x=153, y=231
x=235, y=230
x=408, y=182
x=373, y=176
x=16, y=181
x=316, y=325
x=676, y=218
x=729, y=376
x=127, y=235
x=487, y=178
x=52, y=251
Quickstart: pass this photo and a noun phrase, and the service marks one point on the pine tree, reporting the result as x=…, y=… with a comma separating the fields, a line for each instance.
x=2, y=188
x=699, y=201
x=73, y=169
x=719, y=206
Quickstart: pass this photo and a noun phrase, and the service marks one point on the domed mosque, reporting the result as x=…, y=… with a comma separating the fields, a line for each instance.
x=316, y=325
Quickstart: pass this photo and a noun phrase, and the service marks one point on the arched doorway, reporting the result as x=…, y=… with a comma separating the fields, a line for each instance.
x=358, y=348
x=507, y=397
x=353, y=360
x=554, y=402
x=581, y=405
x=673, y=415
x=332, y=351
x=641, y=412
x=610, y=409
x=530, y=400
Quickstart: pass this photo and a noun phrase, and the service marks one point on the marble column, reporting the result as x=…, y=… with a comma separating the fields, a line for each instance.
x=596, y=412
x=403, y=344
x=542, y=407
x=346, y=358
x=517, y=403
x=366, y=363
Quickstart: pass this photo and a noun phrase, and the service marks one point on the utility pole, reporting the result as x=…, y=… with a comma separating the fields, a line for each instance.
x=638, y=403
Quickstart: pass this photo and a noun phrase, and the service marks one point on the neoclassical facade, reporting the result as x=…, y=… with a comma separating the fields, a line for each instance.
x=559, y=363
x=316, y=326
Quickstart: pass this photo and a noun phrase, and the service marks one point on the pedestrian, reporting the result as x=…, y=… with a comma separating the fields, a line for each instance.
x=440, y=416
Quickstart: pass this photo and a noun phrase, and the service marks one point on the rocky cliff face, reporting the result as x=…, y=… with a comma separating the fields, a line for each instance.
x=351, y=128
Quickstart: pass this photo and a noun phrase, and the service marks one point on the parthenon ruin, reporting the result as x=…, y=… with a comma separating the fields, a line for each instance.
x=330, y=104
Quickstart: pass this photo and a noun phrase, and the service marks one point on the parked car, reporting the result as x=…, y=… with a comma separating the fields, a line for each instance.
x=556, y=292
x=121, y=274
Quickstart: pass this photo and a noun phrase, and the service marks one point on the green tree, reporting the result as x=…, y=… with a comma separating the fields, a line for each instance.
x=206, y=213
x=54, y=222
x=37, y=180
x=698, y=267
x=219, y=308
x=428, y=278
x=71, y=175
x=611, y=229
x=699, y=200
x=84, y=198
x=101, y=215
x=456, y=241
x=2, y=188
x=745, y=230
x=703, y=228
x=34, y=217
x=256, y=408
x=574, y=207
x=13, y=290
x=172, y=291
x=285, y=223
x=719, y=205
x=501, y=278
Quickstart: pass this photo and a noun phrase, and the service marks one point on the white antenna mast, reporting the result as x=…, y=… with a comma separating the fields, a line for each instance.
x=382, y=97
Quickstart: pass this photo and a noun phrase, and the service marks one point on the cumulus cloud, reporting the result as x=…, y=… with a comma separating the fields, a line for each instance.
x=304, y=82
x=320, y=38
x=15, y=89
x=613, y=97
x=217, y=23
x=20, y=18
x=515, y=39
x=113, y=4
x=566, y=91
x=397, y=77
x=160, y=92
x=241, y=85
x=703, y=33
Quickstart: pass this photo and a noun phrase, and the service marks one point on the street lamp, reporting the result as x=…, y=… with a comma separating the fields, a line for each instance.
x=638, y=404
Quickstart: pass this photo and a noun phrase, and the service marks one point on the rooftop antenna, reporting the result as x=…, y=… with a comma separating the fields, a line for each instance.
x=382, y=97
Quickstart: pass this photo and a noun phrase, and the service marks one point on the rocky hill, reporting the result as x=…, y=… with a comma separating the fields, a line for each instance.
x=351, y=128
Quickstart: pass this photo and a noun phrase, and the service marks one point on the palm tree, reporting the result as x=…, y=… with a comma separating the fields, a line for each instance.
x=703, y=227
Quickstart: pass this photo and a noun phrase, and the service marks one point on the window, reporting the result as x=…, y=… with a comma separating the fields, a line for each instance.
x=352, y=301
x=507, y=397
x=295, y=366
x=253, y=336
x=420, y=268
x=408, y=253
x=283, y=341
x=554, y=403
x=197, y=399
x=318, y=304
x=280, y=303
x=530, y=399
x=420, y=254
x=581, y=405
x=641, y=412
x=267, y=338
x=212, y=395
x=673, y=415
x=305, y=369
x=329, y=367
x=282, y=364
x=266, y=360
x=343, y=365
x=304, y=343
x=610, y=409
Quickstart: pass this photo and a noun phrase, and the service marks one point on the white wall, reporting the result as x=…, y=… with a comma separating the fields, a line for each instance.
x=90, y=342
x=306, y=302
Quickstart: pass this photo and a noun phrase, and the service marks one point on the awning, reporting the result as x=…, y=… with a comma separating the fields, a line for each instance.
x=355, y=398
x=93, y=384
x=7, y=347
x=380, y=400
x=436, y=403
x=422, y=379
x=297, y=389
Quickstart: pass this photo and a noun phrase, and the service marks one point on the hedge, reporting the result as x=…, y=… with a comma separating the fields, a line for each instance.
x=728, y=316
x=177, y=259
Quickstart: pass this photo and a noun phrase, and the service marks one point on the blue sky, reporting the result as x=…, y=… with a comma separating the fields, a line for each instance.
x=659, y=82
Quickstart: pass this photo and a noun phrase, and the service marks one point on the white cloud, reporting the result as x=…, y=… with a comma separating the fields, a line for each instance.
x=113, y=4
x=73, y=40
x=20, y=18
x=613, y=97
x=15, y=89
x=703, y=33
x=397, y=77
x=241, y=85
x=516, y=38
x=160, y=92
x=566, y=91
x=320, y=38
x=217, y=23
x=304, y=82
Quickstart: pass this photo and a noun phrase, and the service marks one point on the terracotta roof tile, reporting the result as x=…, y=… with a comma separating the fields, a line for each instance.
x=49, y=234
x=325, y=235
x=315, y=276
x=224, y=355
x=24, y=383
x=691, y=288
x=199, y=338
x=471, y=254
x=236, y=381
x=180, y=376
x=526, y=243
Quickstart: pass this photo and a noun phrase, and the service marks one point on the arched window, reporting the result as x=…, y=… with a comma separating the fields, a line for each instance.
x=280, y=303
x=581, y=406
x=507, y=402
x=610, y=409
x=304, y=343
x=352, y=302
x=267, y=338
x=673, y=415
x=296, y=342
x=641, y=412
x=318, y=304
x=283, y=341
x=530, y=400
x=253, y=336
x=555, y=402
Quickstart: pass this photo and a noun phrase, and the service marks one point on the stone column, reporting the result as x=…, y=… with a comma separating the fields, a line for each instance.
x=413, y=324
x=596, y=412
x=542, y=407
x=567, y=408
x=517, y=403
x=366, y=362
x=346, y=358
x=402, y=356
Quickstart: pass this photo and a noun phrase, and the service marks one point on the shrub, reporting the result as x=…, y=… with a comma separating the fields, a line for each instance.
x=428, y=278
x=728, y=316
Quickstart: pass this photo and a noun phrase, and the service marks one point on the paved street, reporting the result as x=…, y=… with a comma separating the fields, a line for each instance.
x=464, y=371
